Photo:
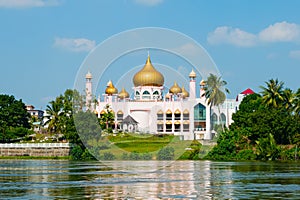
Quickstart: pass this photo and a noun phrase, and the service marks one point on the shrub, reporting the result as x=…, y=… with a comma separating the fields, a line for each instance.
x=166, y=154
x=134, y=156
x=108, y=156
x=125, y=156
x=146, y=156
x=246, y=154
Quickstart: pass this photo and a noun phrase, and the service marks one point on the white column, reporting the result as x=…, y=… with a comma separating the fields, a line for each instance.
x=207, y=135
x=192, y=89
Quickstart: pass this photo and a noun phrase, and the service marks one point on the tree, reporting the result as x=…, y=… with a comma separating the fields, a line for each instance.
x=272, y=94
x=13, y=116
x=54, y=115
x=214, y=87
x=107, y=118
x=296, y=103
x=288, y=99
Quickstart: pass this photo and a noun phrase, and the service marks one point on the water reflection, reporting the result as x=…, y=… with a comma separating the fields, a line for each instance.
x=56, y=179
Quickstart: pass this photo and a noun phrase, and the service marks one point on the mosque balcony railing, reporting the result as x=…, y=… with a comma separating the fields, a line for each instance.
x=199, y=129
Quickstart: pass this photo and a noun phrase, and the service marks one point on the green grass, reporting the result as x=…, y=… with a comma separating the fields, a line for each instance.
x=128, y=143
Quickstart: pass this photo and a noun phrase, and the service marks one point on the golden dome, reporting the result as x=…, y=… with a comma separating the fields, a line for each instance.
x=202, y=83
x=192, y=74
x=123, y=94
x=168, y=96
x=184, y=92
x=110, y=89
x=148, y=76
x=88, y=75
x=175, y=89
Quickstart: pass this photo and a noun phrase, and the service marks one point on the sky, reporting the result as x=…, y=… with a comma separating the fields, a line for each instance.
x=43, y=43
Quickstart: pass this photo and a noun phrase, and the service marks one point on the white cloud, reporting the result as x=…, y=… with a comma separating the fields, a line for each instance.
x=295, y=54
x=75, y=44
x=281, y=32
x=188, y=48
x=229, y=35
x=278, y=32
x=149, y=2
x=27, y=3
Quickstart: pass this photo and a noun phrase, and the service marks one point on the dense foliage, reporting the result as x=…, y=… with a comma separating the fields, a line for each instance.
x=266, y=127
x=14, y=119
x=61, y=116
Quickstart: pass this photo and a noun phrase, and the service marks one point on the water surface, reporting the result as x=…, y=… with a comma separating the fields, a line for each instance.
x=62, y=179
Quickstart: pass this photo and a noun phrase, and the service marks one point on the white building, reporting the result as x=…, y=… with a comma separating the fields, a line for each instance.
x=179, y=112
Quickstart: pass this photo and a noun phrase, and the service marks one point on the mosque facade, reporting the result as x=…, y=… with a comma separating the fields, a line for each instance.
x=180, y=111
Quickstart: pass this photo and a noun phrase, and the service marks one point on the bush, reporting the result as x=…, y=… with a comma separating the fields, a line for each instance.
x=246, y=154
x=134, y=156
x=125, y=156
x=146, y=156
x=166, y=154
x=76, y=153
x=108, y=156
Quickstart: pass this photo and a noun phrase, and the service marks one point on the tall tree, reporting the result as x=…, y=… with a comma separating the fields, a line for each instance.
x=288, y=99
x=296, y=102
x=13, y=114
x=272, y=94
x=215, y=92
x=54, y=115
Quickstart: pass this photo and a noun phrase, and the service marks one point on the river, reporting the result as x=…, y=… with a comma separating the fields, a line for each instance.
x=63, y=179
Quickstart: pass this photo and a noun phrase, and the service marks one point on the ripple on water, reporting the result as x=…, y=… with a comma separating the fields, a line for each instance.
x=50, y=179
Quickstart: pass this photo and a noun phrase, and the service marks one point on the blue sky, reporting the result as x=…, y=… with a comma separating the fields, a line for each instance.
x=44, y=42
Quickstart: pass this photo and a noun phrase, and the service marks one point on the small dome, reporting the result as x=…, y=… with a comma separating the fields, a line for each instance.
x=168, y=96
x=123, y=94
x=175, y=89
x=110, y=89
x=88, y=75
x=202, y=83
x=148, y=76
x=184, y=92
x=192, y=74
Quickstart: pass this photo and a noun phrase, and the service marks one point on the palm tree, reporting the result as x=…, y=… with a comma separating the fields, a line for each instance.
x=214, y=87
x=272, y=95
x=54, y=116
x=288, y=99
x=296, y=102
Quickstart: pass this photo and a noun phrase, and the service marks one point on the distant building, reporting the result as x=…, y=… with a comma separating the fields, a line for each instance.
x=34, y=112
x=37, y=123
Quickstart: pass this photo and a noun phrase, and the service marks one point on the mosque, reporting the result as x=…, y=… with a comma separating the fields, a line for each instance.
x=180, y=111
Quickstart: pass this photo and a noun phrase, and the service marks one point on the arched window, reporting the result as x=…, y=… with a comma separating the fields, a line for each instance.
x=160, y=115
x=120, y=115
x=146, y=95
x=156, y=93
x=223, y=118
x=186, y=115
x=177, y=114
x=137, y=93
x=169, y=115
x=199, y=117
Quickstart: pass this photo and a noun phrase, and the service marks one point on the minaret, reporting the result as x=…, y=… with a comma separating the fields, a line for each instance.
x=192, y=77
x=202, y=89
x=88, y=90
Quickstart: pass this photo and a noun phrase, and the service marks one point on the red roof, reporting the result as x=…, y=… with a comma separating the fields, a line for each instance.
x=248, y=91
